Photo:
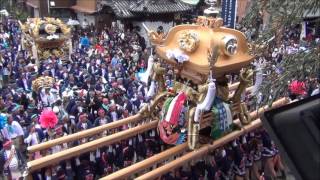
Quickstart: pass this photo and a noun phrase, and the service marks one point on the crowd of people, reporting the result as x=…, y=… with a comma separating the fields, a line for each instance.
x=252, y=156
x=280, y=47
x=98, y=86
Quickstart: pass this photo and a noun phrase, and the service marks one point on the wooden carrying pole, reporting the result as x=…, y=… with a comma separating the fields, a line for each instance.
x=88, y=147
x=96, y=130
x=83, y=134
x=137, y=167
x=207, y=148
x=198, y=153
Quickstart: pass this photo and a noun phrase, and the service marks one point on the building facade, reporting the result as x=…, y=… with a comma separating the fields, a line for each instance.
x=86, y=12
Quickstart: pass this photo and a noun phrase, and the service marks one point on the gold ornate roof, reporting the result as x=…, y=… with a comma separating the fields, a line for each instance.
x=48, y=35
x=195, y=41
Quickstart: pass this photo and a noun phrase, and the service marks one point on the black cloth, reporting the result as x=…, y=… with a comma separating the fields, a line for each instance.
x=85, y=169
x=2, y=160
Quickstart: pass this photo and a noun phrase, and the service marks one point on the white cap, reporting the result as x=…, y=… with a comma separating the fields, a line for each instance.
x=234, y=143
x=223, y=153
x=55, y=109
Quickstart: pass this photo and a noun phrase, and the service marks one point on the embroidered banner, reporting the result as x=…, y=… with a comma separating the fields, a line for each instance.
x=229, y=13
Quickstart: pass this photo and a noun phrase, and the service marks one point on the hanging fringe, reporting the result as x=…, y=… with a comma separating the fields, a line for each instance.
x=258, y=78
x=152, y=89
x=145, y=76
x=207, y=102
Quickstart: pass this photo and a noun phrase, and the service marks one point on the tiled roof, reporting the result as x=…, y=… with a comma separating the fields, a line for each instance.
x=130, y=8
x=33, y=3
x=83, y=9
x=120, y=7
x=161, y=6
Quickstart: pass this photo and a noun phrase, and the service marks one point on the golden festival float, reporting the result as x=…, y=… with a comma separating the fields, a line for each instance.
x=197, y=115
x=45, y=37
x=202, y=55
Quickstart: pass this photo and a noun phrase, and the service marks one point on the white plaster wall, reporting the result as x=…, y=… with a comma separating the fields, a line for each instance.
x=82, y=16
x=36, y=12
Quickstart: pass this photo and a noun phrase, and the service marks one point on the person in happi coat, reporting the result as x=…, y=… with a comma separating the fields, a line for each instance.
x=9, y=102
x=92, y=101
x=198, y=171
x=140, y=148
x=83, y=124
x=3, y=107
x=35, y=136
x=11, y=161
x=211, y=166
x=58, y=132
x=59, y=110
x=101, y=85
x=119, y=160
x=47, y=97
x=68, y=126
x=257, y=155
x=114, y=113
x=248, y=153
x=2, y=160
x=103, y=72
x=16, y=134
x=128, y=153
x=31, y=111
x=102, y=118
x=111, y=156
x=223, y=163
x=104, y=166
x=85, y=169
x=239, y=168
x=19, y=115
x=268, y=154
x=168, y=176
x=24, y=82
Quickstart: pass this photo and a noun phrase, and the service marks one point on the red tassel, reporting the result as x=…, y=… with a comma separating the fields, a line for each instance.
x=48, y=119
x=177, y=109
x=297, y=88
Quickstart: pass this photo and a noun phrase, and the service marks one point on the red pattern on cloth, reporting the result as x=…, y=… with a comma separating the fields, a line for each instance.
x=177, y=109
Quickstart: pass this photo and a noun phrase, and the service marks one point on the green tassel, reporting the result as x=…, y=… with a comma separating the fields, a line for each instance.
x=215, y=130
x=166, y=106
